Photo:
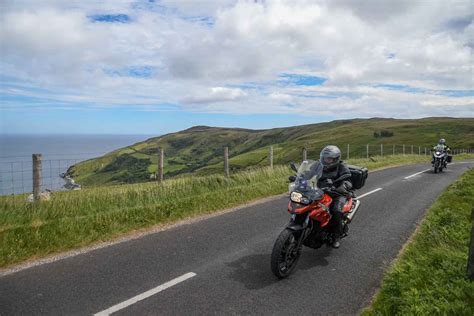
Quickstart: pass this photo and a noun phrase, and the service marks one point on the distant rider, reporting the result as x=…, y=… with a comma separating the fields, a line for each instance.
x=336, y=170
x=441, y=146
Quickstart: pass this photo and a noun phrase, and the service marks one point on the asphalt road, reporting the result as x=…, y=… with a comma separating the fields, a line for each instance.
x=229, y=258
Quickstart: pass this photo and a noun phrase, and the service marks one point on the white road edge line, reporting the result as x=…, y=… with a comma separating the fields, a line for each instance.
x=145, y=295
x=368, y=193
x=415, y=174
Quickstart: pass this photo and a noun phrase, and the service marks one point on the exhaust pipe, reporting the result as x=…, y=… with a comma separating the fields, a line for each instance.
x=352, y=213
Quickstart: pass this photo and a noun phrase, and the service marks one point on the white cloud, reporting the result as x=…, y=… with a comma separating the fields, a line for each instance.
x=206, y=66
x=215, y=94
x=48, y=44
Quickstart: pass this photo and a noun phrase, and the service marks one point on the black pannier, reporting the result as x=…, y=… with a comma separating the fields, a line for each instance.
x=450, y=158
x=358, y=176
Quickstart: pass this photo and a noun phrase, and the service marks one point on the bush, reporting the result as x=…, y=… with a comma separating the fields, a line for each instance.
x=384, y=133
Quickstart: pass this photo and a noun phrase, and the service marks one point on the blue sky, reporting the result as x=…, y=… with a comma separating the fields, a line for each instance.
x=131, y=122
x=110, y=18
x=153, y=67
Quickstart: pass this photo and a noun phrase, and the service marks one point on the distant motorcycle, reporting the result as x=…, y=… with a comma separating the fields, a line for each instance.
x=310, y=217
x=440, y=159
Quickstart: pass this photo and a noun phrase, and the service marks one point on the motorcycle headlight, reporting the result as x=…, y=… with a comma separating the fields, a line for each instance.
x=296, y=197
x=438, y=153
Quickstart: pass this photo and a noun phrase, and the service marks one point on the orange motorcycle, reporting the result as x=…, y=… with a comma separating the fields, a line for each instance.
x=310, y=217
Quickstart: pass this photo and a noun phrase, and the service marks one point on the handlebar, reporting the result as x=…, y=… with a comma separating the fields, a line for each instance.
x=327, y=189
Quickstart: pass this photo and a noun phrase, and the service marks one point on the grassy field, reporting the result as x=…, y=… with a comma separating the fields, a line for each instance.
x=428, y=278
x=79, y=218
x=199, y=150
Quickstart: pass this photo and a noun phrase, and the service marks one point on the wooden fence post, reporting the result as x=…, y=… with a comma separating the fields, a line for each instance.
x=381, y=150
x=470, y=259
x=393, y=150
x=36, y=176
x=403, y=149
x=419, y=150
x=367, y=151
x=347, y=151
x=270, y=156
x=226, y=161
x=305, y=154
x=161, y=164
x=412, y=149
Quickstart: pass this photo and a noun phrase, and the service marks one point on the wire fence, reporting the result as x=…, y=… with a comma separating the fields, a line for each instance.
x=17, y=177
x=16, y=174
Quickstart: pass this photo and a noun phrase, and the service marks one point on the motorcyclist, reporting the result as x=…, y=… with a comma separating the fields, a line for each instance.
x=335, y=174
x=441, y=145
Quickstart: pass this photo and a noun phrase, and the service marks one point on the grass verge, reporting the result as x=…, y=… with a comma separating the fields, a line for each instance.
x=79, y=218
x=428, y=278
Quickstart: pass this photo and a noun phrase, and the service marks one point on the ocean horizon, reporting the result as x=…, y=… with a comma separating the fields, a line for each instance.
x=59, y=152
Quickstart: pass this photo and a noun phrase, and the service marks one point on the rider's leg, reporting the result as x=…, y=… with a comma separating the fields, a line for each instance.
x=337, y=217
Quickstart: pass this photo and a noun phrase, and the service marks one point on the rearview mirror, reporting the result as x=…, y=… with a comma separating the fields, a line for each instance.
x=292, y=178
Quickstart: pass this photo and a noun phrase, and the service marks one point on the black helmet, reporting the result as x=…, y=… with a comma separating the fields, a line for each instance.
x=442, y=141
x=330, y=156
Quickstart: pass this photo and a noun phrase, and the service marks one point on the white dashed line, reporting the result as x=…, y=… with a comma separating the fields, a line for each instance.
x=368, y=193
x=145, y=295
x=415, y=174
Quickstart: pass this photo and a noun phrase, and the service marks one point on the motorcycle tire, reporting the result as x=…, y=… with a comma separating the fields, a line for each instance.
x=285, y=254
x=436, y=167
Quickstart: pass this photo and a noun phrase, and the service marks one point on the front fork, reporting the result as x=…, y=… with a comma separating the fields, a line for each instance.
x=303, y=230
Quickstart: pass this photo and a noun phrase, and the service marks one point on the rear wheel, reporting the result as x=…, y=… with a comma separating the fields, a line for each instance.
x=285, y=254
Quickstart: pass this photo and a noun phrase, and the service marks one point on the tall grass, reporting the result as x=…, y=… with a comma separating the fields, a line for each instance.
x=78, y=218
x=429, y=278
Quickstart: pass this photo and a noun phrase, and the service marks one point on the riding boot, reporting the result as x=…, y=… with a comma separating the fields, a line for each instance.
x=338, y=225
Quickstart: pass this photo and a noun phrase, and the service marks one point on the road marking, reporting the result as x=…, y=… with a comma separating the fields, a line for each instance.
x=145, y=295
x=368, y=193
x=415, y=174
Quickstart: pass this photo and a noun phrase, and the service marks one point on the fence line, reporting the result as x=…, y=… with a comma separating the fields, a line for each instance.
x=17, y=177
x=270, y=156
x=226, y=161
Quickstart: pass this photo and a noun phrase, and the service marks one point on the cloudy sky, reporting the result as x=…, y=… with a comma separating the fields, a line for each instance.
x=151, y=67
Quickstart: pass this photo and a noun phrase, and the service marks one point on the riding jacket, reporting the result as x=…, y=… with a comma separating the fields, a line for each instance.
x=338, y=174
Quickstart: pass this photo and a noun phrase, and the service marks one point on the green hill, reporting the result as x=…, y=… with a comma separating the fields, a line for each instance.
x=199, y=149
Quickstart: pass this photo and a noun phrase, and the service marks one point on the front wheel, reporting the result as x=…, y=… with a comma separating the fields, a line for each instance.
x=285, y=254
x=436, y=166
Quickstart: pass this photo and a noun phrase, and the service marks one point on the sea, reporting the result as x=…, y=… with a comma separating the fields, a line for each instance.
x=58, y=152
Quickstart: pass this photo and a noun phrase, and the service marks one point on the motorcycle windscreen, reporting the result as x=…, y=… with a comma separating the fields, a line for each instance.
x=311, y=171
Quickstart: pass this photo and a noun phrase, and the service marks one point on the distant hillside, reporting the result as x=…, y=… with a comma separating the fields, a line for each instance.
x=200, y=149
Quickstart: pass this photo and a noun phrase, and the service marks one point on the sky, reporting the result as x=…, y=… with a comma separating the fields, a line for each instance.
x=154, y=67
